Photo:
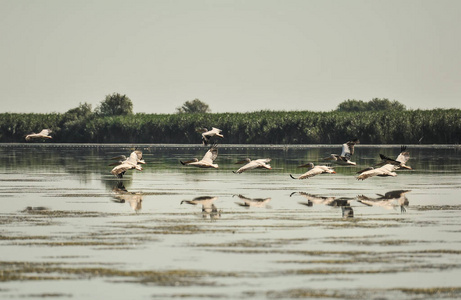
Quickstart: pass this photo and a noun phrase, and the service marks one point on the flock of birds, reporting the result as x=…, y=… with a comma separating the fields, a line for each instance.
x=386, y=167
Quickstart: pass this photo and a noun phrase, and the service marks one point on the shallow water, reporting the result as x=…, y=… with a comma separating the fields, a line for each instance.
x=71, y=229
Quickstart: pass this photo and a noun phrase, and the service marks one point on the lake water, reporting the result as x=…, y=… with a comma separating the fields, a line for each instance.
x=70, y=229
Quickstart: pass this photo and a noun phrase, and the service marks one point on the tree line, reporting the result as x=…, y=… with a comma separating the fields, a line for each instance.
x=114, y=122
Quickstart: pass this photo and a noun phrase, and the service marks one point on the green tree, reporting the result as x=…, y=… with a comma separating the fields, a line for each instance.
x=375, y=104
x=352, y=105
x=115, y=105
x=81, y=111
x=194, y=106
x=385, y=104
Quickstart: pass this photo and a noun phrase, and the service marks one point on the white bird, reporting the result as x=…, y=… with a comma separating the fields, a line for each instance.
x=387, y=165
x=253, y=202
x=389, y=200
x=123, y=158
x=208, y=207
x=207, y=134
x=386, y=170
x=44, y=134
x=253, y=164
x=131, y=163
x=314, y=170
x=346, y=154
x=207, y=160
x=400, y=161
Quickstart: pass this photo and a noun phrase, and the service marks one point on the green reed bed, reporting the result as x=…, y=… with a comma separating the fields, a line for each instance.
x=438, y=126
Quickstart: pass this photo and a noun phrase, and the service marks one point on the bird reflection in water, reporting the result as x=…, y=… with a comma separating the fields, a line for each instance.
x=121, y=195
x=253, y=202
x=36, y=209
x=390, y=200
x=208, y=207
x=343, y=202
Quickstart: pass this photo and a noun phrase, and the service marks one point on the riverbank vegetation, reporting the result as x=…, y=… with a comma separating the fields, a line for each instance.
x=438, y=126
x=378, y=121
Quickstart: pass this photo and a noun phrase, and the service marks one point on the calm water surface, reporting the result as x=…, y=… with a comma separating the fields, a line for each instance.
x=69, y=229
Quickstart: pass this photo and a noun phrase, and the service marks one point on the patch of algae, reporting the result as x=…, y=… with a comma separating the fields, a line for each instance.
x=393, y=293
x=32, y=271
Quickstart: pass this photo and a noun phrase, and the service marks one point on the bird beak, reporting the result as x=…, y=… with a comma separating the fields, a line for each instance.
x=333, y=172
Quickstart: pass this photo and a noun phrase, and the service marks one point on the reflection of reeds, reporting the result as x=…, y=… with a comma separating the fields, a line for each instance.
x=440, y=126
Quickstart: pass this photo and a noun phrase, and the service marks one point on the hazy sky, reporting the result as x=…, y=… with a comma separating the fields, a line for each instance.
x=236, y=56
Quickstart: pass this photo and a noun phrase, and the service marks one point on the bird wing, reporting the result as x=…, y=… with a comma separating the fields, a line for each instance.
x=311, y=173
x=134, y=156
x=138, y=154
x=403, y=157
x=368, y=174
x=346, y=151
x=210, y=155
x=386, y=169
x=263, y=161
x=249, y=166
x=45, y=132
x=387, y=160
x=122, y=168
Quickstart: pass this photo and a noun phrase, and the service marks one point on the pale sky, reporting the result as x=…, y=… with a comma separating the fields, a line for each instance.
x=236, y=56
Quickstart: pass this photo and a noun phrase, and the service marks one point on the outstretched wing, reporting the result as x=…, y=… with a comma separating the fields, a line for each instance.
x=45, y=132
x=388, y=160
x=311, y=173
x=211, y=154
x=121, y=169
x=263, y=160
x=133, y=159
x=347, y=150
x=403, y=156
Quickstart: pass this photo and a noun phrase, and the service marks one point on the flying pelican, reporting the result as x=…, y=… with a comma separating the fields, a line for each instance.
x=131, y=163
x=44, y=134
x=208, y=207
x=314, y=170
x=253, y=164
x=346, y=154
x=387, y=165
x=123, y=158
x=207, y=134
x=254, y=202
x=121, y=195
x=386, y=170
x=207, y=160
x=389, y=200
x=400, y=161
